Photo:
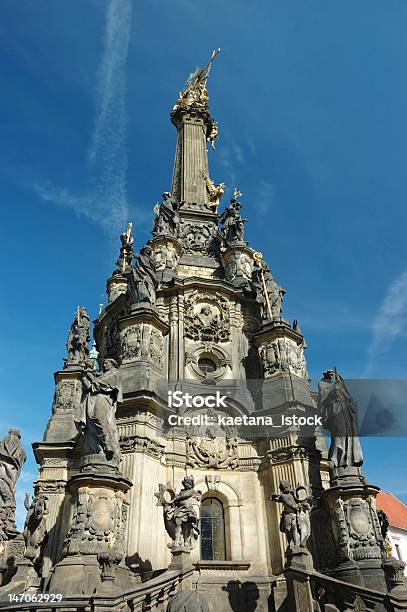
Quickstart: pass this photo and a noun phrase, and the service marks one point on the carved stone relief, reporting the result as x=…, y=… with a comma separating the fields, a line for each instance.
x=98, y=522
x=166, y=255
x=141, y=341
x=212, y=446
x=200, y=238
x=156, y=347
x=283, y=355
x=141, y=444
x=238, y=264
x=50, y=486
x=67, y=394
x=130, y=339
x=207, y=317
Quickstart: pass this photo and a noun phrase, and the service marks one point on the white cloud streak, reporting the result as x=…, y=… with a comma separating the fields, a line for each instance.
x=265, y=197
x=106, y=200
x=390, y=322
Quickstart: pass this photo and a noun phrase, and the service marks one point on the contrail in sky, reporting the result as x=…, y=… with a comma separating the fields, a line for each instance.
x=106, y=200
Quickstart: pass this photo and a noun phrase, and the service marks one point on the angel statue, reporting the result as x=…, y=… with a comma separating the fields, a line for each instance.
x=294, y=521
x=215, y=192
x=213, y=134
x=181, y=513
x=195, y=93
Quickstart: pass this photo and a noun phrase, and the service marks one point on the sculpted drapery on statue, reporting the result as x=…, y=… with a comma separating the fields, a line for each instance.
x=78, y=339
x=339, y=411
x=95, y=416
x=232, y=221
x=142, y=285
x=268, y=292
x=12, y=459
x=168, y=220
x=181, y=513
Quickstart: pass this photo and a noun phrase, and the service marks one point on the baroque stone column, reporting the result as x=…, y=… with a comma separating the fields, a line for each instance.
x=191, y=159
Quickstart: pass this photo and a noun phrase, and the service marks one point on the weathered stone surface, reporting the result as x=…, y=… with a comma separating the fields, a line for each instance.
x=12, y=459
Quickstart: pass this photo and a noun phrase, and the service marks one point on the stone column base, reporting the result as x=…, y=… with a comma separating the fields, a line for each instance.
x=76, y=574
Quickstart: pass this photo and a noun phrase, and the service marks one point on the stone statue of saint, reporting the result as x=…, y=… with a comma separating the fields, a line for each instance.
x=338, y=412
x=95, y=416
x=126, y=250
x=181, y=513
x=78, y=339
x=168, y=219
x=233, y=223
x=294, y=520
x=35, y=532
x=142, y=285
x=262, y=281
x=12, y=459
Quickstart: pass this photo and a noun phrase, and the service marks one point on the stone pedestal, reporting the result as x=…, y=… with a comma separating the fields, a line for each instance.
x=95, y=542
x=68, y=390
x=347, y=535
x=143, y=348
x=281, y=352
x=297, y=556
x=116, y=285
x=238, y=262
x=180, y=560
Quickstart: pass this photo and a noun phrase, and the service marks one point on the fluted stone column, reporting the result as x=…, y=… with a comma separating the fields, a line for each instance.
x=191, y=159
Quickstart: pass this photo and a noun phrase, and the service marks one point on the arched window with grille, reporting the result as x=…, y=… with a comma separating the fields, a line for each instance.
x=213, y=542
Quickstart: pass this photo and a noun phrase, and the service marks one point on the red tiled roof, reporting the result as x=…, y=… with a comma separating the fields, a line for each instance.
x=395, y=509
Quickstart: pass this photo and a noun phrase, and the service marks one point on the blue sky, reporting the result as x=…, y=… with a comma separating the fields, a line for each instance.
x=310, y=98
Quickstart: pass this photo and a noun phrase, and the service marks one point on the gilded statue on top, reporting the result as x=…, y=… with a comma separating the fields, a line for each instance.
x=195, y=92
